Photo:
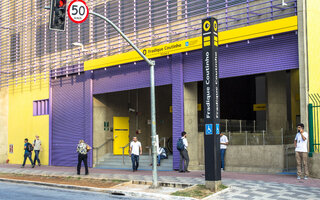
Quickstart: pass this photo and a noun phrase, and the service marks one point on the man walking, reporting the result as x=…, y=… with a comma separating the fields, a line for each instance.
x=27, y=152
x=223, y=147
x=301, y=144
x=184, y=156
x=134, y=151
x=36, y=147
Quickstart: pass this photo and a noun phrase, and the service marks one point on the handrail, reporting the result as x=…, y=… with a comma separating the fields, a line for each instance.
x=111, y=139
x=98, y=148
x=123, y=151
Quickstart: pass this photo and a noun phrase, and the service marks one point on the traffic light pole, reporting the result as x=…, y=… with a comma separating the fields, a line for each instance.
x=152, y=93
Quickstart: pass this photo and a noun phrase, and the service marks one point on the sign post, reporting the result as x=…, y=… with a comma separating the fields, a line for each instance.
x=211, y=103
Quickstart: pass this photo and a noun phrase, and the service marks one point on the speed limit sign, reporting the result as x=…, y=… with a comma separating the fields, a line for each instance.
x=78, y=11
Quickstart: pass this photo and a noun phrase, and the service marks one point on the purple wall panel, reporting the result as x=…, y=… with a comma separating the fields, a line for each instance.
x=71, y=117
x=261, y=55
x=131, y=76
x=177, y=105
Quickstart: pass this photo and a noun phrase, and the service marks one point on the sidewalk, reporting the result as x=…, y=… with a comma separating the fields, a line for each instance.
x=243, y=185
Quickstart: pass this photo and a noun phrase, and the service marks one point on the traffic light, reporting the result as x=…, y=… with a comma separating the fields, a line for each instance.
x=58, y=14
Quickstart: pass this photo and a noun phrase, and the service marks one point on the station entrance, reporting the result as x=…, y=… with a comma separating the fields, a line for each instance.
x=120, y=116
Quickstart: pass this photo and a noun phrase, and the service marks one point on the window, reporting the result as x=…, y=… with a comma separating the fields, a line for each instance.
x=127, y=16
x=159, y=12
x=15, y=47
x=196, y=7
x=41, y=107
x=99, y=25
x=113, y=15
x=40, y=40
x=51, y=38
x=142, y=14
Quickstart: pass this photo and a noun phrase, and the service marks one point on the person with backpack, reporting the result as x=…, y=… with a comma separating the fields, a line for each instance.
x=37, y=146
x=161, y=154
x=182, y=146
x=27, y=152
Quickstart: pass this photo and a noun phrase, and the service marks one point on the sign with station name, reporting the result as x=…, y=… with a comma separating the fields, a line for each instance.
x=211, y=99
x=152, y=52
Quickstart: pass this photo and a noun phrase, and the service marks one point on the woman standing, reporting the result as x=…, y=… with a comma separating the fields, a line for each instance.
x=82, y=150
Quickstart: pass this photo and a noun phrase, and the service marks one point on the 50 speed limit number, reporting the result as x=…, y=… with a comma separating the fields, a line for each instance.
x=78, y=11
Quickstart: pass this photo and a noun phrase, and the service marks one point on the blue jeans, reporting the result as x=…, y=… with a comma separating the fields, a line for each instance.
x=160, y=157
x=135, y=162
x=36, y=157
x=222, y=151
x=27, y=155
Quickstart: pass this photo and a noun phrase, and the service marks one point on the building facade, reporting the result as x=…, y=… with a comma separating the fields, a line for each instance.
x=54, y=89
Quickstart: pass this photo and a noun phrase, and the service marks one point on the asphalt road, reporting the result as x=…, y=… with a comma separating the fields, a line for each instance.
x=13, y=191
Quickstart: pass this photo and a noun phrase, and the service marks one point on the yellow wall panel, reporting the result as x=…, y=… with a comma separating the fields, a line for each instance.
x=313, y=29
x=22, y=124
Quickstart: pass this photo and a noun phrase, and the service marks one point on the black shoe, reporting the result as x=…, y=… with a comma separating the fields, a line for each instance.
x=39, y=164
x=180, y=171
x=87, y=174
x=32, y=166
x=78, y=173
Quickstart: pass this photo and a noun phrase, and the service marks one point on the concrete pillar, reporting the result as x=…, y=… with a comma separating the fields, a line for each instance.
x=277, y=102
x=4, y=108
x=303, y=61
x=191, y=122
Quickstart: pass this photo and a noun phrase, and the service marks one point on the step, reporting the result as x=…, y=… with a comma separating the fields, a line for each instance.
x=110, y=161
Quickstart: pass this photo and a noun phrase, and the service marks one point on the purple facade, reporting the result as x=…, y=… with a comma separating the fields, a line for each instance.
x=71, y=117
x=71, y=105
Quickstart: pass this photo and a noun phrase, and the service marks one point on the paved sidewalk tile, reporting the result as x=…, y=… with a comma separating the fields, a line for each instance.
x=243, y=185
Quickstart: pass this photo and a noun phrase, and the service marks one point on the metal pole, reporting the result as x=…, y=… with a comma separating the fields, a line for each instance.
x=152, y=94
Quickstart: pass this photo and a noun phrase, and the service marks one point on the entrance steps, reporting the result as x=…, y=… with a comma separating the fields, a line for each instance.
x=109, y=161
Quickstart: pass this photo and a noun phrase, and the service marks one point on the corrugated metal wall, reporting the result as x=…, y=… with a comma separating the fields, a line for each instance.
x=261, y=55
x=71, y=117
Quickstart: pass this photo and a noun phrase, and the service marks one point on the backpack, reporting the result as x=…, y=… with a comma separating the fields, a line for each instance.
x=180, y=145
x=29, y=147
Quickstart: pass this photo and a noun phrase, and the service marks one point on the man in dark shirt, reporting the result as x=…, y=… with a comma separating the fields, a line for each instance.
x=27, y=153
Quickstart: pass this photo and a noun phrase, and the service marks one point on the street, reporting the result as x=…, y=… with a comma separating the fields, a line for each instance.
x=15, y=191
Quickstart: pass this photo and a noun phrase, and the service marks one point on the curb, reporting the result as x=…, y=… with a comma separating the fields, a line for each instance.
x=139, y=182
x=218, y=193
x=93, y=189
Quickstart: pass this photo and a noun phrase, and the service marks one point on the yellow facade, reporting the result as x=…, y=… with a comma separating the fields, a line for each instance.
x=22, y=124
x=313, y=32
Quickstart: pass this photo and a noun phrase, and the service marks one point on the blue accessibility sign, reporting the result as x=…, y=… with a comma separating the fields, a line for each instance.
x=217, y=129
x=209, y=130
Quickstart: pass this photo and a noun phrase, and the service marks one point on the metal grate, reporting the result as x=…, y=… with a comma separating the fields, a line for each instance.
x=29, y=50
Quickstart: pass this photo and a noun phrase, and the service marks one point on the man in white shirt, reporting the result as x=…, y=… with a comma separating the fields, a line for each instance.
x=223, y=147
x=36, y=147
x=301, y=144
x=184, y=156
x=134, y=151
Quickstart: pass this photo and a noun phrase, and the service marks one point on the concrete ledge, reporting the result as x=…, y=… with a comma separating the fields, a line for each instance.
x=254, y=169
x=314, y=163
x=256, y=158
x=93, y=189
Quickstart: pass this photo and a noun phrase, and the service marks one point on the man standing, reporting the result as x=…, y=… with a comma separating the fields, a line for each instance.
x=36, y=146
x=27, y=152
x=184, y=156
x=223, y=147
x=82, y=150
x=301, y=144
x=134, y=151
